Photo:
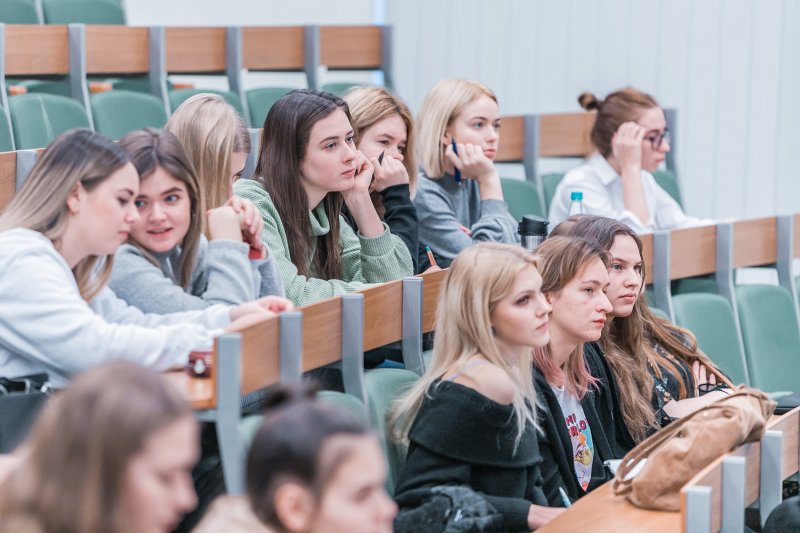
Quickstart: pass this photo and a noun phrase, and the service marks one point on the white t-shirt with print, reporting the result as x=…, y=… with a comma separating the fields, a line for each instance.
x=580, y=435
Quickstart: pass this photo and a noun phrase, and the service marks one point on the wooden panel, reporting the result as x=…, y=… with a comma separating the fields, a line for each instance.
x=322, y=333
x=32, y=50
x=117, y=49
x=755, y=242
x=195, y=50
x=647, y=256
x=789, y=424
x=383, y=314
x=273, y=48
x=693, y=252
x=8, y=177
x=351, y=47
x=565, y=135
x=512, y=140
x=433, y=285
x=200, y=392
x=796, y=236
x=260, y=355
x=602, y=512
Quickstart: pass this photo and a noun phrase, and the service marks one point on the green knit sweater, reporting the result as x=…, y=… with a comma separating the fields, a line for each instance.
x=364, y=260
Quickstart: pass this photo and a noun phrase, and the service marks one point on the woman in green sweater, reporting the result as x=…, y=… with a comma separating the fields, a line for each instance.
x=307, y=167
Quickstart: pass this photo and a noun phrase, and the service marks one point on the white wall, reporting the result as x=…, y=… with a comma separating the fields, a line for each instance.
x=731, y=67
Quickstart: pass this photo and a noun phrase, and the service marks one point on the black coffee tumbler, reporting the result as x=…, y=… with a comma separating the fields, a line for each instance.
x=532, y=231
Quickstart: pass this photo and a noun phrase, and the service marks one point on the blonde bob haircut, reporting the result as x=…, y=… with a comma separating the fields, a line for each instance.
x=75, y=157
x=211, y=131
x=479, y=277
x=443, y=103
x=368, y=106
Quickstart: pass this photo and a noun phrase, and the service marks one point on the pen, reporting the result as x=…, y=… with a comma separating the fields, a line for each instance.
x=430, y=256
x=564, y=497
x=380, y=157
x=457, y=173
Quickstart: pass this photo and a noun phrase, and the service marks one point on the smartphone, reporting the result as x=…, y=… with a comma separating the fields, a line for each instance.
x=457, y=173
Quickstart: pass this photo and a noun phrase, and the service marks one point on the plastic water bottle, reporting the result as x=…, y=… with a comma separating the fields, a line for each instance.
x=576, y=207
x=532, y=231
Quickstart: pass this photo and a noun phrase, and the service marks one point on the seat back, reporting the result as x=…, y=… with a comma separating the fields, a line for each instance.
x=383, y=387
x=711, y=319
x=340, y=88
x=83, y=11
x=260, y=100
x=37, y=119
x=549, y=185
x=19, y=12
x=668, y=181
x=771, y=336
x=521, y=197
x=119, y=112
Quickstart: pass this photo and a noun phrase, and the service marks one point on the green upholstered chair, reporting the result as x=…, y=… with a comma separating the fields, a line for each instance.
x=178, y=96
x=340, y=88
x=19, y=12
x=522, y=197
x=37, y=119
x=549, y=184
x=771, y=336
x=710, y=318
x=260, y=100
x=83, y=11
x=383, y=386
x=116, y=113
x=669, y=182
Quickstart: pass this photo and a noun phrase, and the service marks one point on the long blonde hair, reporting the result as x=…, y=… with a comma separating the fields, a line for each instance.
x=479, y=277
x=76, y=156
x=368, y=106
x=210, y=130
x=443, y=103
x=80, y=447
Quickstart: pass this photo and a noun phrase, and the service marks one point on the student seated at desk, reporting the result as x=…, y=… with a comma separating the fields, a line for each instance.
x=168, y=265
x=573, y=441
x=632, y=140
x=308, y=167
x=470, y=420
x=660, y=372
x=57, y=240
x=113, y=452
x=459, y=199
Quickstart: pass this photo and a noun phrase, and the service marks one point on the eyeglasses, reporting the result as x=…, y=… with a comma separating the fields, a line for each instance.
x=658, y=138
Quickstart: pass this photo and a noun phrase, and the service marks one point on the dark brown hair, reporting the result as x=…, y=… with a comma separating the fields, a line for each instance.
x=620, y=106
x=290, y=447
x=151, y=148
x=283, y=146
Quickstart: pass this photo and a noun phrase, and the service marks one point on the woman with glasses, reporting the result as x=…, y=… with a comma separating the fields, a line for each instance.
x=632, y=140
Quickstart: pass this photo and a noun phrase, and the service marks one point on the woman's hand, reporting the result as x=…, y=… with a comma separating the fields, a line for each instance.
x=626, y=146
x=251, y=223
x=472, y=163
x=539, y=516
x=358, y=201
x=262, y=308
x=702, y=376
x=223, y=223
x=387, y=173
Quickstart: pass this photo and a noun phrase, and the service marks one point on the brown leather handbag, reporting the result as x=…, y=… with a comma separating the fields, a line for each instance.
x=678, y=452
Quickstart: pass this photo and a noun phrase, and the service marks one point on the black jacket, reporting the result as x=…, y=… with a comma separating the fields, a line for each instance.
x=460, y=437
x=607, y=404
x=556, y=447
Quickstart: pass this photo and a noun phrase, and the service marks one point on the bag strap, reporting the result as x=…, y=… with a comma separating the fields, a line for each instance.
x=621, y=485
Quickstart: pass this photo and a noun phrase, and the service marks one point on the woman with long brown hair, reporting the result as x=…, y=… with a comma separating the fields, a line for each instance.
x=307, y=169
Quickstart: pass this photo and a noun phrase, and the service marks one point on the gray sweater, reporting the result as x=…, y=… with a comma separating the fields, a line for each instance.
x=223, y=275
x=442, y=204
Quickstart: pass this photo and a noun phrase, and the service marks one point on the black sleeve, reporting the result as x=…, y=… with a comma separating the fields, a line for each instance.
x=401, y=217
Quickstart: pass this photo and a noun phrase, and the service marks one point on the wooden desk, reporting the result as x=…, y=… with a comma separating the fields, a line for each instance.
x=602, y=512
x=198, y=391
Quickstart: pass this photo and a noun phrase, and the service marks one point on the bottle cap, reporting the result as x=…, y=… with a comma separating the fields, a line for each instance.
x=533, y=225
x=576, y=195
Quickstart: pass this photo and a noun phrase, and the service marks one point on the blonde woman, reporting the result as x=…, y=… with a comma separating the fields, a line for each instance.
x=216, y=140
x=57, y=240
x=459, y=199
x=384, y=130
x=573, y=441
x=113, y=452
x=470, y=420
